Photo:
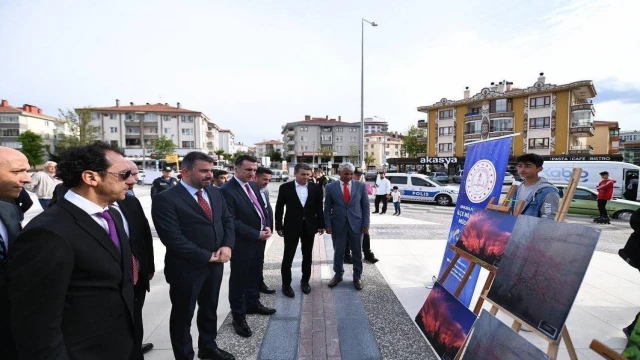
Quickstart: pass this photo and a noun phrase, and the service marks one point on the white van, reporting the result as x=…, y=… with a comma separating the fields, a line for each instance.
x=418, y=187
x=280, y=175
x=559, y=172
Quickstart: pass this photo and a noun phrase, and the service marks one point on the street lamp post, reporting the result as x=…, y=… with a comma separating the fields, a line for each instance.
x=362, y=164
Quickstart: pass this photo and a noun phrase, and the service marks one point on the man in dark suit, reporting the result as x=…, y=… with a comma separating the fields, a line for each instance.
x=263, y=178
x=253, y=229
x=13, y=175
x=70, y=268
x=194, y=224
x=346, y=216
x=304, y=218
x=138, y=230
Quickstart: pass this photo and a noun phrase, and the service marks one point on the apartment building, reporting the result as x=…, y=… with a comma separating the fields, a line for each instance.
x=382, y=146
x=16, y=120
x=374, y=125
x=323, y=141
x=240, y=147
x=630, y=146
x=136, y=127
x=265, y=147
x=227, y=139
x=552, y=119
x=606, y=139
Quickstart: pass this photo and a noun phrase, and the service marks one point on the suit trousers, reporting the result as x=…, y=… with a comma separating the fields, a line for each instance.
x=7, y=346
x=139, y=294
x=382, y=198
x=366, y=245
x=305, y=237
x=190, y=284
x=341, y=237
x=246, y=274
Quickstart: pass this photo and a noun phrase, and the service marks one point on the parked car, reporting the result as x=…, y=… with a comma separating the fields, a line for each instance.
x=585, y=202
x=370, y=175
x=280, y=175
x=439, y=176
x=418, y=187
x=509, y=178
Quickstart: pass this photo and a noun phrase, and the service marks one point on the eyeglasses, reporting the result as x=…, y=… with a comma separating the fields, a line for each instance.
x=121, y=175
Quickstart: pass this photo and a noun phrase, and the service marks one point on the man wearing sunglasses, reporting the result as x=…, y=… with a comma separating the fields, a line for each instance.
x=70, y=271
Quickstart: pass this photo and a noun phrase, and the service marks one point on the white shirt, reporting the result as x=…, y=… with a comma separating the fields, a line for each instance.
x=242, y=185
x=193, y=192
x=348, y=186
x=384, y=187
x=395, y=195
x=303, y=193
x=5, y=235
x=89, y=207
x=263, y=193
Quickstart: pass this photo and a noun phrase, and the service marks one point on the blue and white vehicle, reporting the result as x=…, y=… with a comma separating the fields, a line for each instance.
x=418, y=187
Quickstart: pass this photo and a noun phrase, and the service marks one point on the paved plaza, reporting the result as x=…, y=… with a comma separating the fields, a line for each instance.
x=377, y=322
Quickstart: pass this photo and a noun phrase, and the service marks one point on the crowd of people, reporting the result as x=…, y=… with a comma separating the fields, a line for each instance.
x=73, y=281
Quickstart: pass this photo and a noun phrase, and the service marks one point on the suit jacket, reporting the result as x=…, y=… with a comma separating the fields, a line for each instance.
x=190, y=237
x=311, y=214
x=336, y=211
x=70, y=288
x=10, y=217
x=140, y=238
x=58, y=193
x=269, y=213
x=246, y=218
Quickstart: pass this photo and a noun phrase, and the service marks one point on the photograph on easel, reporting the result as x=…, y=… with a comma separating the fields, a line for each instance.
x=541, y=271
x=445, y=321
x=491, y=339
x=486, y=235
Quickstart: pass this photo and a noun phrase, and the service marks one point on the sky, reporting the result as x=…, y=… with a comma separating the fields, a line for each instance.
x=253, y=66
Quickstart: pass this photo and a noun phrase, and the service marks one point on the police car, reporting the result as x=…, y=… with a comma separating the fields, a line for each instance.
x=418, y=187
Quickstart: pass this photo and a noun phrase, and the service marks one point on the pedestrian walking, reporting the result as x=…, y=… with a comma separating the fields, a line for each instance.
x=395, y=197
x=383, y=189
x=163, y=182
x=43, y=183
x=605, y=193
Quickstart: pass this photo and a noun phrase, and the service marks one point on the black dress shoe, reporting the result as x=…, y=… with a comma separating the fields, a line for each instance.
x=370, y=257
x=306, y=288
x=335, y=281
x=348, y=259
x=288, y=291
x=242, y=328
x=261, y=310
x=147, y=347
x=215, y=354
x=357, y=284
x=266, y=290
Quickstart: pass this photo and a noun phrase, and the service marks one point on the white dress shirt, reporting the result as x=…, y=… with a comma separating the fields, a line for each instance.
x=89, y=207
x=242, y=185
x=303, y=193
x=384, y=187
x=193, y=192
x=265, y=198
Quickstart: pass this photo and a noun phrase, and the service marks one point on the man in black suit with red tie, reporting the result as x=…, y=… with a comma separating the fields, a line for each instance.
x=70, y=272
x=303, y=219
x=252, y=230
x=194, y=224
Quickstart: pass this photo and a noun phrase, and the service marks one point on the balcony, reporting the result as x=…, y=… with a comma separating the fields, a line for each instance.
x=422, y=140
x=291, y=152
x=291, y=133
x=583, y=106
x=291, y=142
x=581, y=149
x=474, y=115
x=326, y=142
x=582, y=128
x=422, y=124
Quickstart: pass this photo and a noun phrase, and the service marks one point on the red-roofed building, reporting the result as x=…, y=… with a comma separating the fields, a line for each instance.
x=16, y=120
x=135, y=127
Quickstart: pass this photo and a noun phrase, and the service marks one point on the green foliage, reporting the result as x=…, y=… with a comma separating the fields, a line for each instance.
x=369, y=159
x=163, y=147
x=275, y=156
x=80, y=129
x=411, y=144
x=32, y=147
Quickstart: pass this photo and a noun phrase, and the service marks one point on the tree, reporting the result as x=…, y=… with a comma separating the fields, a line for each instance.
x=220, y=153
x=369, y=159
x=163, y=147
x=411, y=144
x=81, y=131
x=32, y=147
x=275, y=156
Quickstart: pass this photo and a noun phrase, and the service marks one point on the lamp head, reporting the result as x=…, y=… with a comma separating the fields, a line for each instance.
x=374, y=24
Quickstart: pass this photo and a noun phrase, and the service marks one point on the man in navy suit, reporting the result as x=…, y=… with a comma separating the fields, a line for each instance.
x=194, y=224
x=346, y=216
x=252, y=230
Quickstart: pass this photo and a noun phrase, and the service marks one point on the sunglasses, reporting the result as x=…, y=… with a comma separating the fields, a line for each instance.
x=121, y=175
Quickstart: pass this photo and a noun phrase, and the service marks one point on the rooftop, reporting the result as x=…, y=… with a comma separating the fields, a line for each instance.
x=26, y=109
x=308, y=120
x=270, y=142
x=158, y=107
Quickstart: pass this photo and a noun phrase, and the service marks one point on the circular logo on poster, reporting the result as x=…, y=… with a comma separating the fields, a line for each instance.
x=480, y=181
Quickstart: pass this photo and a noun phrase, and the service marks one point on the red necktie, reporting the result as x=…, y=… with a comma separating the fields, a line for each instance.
x=345, y=193
x=204, y=205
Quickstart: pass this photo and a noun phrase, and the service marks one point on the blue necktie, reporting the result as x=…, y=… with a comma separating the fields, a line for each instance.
x=3, y=249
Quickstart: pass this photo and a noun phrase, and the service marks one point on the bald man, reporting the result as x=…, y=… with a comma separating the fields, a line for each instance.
x=138, y=230
x=13, y=176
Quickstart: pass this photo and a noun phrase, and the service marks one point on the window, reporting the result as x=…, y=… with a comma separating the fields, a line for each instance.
x=301, y=138
x=339, y=129
x=445, y=147
x=446, y=114
x=97, y=116
x=372, y=146
x=9, y=119
x=397, y=180
x=132, y=142
x=133, y=130
x=326, y=137
x=186, y=119
x=500, y=105
x=150, y=130
x=539, y=143
x=113, y=116
x=444, y=131
x=303, y=128
x=582, y=194
x=539, y=123
x=166, y=130
x=386, y=146
x=187, y=131
x=473, y=127
x=114, y=130
x=188, y=144
x=416, y=181
x=114, y=143
x=504, y=124
x=353, y=129
x=10, y=132
x=129, y=116
x=540, y=102
x=12, y=144
x=165, y=117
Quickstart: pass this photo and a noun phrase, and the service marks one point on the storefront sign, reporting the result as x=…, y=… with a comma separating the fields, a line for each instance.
x=583, y=158
x=439, y=160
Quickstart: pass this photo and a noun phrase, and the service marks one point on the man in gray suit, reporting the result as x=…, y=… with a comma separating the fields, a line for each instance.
x=13, y=176
x=346, y=216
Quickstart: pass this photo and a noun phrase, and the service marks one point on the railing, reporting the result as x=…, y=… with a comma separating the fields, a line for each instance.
x=493, y=129
x=582, y=123
x=581, y=148
x=539, y=146
x=472, y=113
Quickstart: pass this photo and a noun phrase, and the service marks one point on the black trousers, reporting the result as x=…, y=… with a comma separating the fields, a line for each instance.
x=7, y=345
x=382, y=198
x=602, y=207
x=139, y=294
x=290, y=246
x=190, y=284
x=246, y=275
x=366, y=245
